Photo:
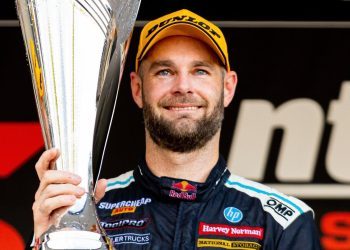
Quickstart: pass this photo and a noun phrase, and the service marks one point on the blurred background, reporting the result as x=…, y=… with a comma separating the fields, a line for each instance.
x=288, y=126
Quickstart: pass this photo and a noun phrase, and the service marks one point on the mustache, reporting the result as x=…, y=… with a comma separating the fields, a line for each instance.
x=183, y=99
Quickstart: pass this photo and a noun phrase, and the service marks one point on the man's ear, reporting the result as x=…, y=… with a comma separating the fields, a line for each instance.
x=136, y=88
x=230, y=83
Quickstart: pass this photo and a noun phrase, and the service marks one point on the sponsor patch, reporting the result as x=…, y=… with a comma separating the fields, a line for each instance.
x=131, y=238
x=123, y=207
x=182, y=195
x=133, y=203
x=183, y=190
x=280, y=208
x=227, y=244
x=123, y=210
x=184, y=186
x=231, y=231
x=233, y=214
x=125, y=223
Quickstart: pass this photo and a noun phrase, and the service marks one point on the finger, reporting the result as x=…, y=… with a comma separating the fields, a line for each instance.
x=100, y=189
x=43, y=211
x=44, y=208
x=56, y=177
x=53, y=190
x=45, y=161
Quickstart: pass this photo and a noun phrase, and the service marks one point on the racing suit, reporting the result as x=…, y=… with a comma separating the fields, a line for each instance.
x=142, y=211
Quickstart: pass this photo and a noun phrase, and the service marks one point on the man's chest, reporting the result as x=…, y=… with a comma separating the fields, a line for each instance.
x=147, y=223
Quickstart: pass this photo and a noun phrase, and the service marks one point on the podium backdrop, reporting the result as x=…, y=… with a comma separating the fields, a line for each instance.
x=288, y=126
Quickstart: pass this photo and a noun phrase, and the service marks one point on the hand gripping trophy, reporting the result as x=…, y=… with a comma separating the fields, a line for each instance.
x=76, y=51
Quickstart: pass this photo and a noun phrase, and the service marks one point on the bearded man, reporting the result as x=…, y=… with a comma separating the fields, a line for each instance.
x=181, y=195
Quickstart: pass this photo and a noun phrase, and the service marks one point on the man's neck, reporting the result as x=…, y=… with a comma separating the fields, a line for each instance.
x=193, y=166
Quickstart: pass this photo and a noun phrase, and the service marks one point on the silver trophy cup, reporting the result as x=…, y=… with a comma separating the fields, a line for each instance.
x=76, y=51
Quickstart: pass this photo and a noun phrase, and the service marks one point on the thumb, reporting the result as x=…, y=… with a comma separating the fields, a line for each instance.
x=100, y=189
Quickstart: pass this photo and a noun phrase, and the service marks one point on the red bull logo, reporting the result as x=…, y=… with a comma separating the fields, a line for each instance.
x=188, y=191
x=184, y=186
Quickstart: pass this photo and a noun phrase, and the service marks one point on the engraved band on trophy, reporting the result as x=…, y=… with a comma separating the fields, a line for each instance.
x=76, y=51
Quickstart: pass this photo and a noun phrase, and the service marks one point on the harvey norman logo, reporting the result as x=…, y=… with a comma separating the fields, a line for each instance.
x=303, y=124
x=231, y=231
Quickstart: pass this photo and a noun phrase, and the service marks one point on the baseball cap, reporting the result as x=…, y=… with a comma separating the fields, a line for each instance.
x=182, y=23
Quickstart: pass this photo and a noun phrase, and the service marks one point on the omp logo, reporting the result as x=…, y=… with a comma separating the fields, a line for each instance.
x=303, y=124
x=280, y=208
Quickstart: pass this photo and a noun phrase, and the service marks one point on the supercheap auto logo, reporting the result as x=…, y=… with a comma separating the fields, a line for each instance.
x=123, y=207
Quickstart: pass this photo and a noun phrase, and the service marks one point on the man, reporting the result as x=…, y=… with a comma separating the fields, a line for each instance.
x=182, y=196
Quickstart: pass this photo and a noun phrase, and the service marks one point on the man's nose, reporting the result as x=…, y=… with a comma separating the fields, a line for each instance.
x=182, y=84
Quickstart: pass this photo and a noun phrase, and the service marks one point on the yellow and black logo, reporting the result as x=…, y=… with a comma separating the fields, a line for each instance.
x=227, y=244
x=123, y=210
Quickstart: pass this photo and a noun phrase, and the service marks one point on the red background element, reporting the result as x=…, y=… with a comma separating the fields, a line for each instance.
x=9, y=237
x=335, y=227
x=18, y=142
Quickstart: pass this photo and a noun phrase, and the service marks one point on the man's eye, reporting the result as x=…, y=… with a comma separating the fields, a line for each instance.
x=164, y=72
x=201, y=72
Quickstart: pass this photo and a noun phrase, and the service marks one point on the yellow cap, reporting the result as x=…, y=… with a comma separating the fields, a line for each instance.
x=182, y=23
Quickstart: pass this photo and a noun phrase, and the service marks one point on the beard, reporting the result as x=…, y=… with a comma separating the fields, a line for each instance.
x=186, y=135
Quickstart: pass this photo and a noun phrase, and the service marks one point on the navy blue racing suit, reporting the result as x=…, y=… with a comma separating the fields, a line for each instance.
x=142, y=211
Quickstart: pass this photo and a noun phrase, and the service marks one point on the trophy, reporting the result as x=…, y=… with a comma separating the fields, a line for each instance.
x=76, y=50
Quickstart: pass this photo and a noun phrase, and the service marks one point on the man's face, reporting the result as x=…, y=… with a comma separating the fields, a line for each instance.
x=182, y=94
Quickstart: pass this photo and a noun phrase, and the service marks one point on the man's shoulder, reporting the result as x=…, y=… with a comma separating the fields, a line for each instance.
x=121, y=181
x=283, y=208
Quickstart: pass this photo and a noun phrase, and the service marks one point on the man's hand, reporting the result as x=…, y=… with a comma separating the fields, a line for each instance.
x=57, y=191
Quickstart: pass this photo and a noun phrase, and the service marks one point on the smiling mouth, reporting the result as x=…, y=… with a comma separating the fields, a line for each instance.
x=184, y=108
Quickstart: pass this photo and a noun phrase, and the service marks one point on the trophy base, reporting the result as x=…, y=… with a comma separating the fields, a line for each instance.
x=75, y=240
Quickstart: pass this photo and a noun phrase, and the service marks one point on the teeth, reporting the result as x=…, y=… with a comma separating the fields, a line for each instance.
x=183, y=108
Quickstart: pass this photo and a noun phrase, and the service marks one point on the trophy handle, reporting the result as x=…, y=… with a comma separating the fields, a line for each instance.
x=110, y=77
